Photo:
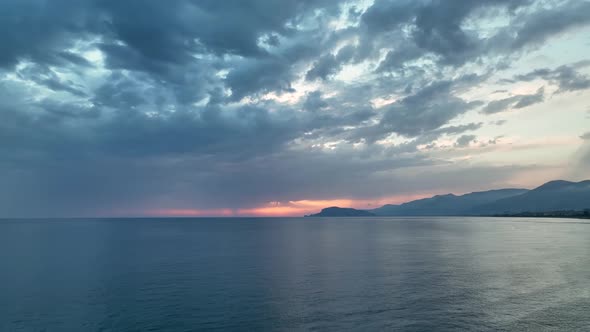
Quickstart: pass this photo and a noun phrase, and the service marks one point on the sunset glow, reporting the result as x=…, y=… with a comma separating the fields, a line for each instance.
x=283, y=108
x=278, y=209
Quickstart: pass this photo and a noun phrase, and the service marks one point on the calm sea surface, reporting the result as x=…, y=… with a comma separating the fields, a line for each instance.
x=401, y=274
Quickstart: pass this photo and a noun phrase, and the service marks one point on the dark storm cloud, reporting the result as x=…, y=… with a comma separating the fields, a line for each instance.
x=110, y=105
x=209, y=28
x=39, y=31
x=163, y=36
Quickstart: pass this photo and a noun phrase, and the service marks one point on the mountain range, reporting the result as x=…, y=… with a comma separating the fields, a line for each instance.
x=556, y=195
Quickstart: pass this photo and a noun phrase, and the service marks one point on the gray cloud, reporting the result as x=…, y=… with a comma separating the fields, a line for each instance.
x=453, y=130
x=464, y=140
x=118, y=105
x=427, y=110
x=535, y=28
x=314, y=101
x=58, y=26
x=499, y=122
x=515, y=102
x=330, y=64
x=437, y=29
x=567, y=78
x=260, y=76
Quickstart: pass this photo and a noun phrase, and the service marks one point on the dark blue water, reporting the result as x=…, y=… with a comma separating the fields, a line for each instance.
x=443, y=274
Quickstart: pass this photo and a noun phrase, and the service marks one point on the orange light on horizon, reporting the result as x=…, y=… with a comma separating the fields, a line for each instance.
x=279, y=209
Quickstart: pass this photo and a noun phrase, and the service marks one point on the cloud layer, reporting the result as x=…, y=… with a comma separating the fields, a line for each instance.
x=121, y=107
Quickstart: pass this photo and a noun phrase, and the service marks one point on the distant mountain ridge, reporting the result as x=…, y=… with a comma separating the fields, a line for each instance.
x=447, y=205
x=556, y=195
x=551, y=196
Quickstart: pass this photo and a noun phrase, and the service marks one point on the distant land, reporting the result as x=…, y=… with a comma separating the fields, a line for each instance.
x=551, y=214
x=554, y=198
x=343, y=212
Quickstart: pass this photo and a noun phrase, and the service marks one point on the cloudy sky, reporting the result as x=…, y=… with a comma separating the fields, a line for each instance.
x=266, y=107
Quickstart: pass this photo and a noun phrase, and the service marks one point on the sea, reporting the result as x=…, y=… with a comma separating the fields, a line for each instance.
x=295, y=274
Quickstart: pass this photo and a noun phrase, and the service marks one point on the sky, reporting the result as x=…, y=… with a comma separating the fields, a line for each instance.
x=281, y=108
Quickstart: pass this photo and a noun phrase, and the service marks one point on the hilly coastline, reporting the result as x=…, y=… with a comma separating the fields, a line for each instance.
x=342, y=212
x=551, y=197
